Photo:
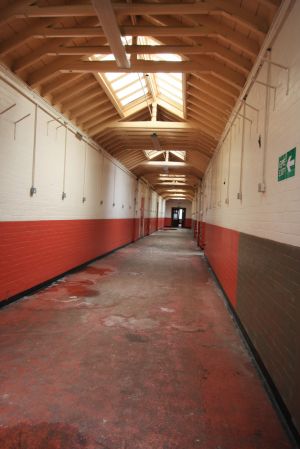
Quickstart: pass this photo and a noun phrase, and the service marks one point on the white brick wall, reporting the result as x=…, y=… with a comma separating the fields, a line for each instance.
x=274, y=214
x=108, y=188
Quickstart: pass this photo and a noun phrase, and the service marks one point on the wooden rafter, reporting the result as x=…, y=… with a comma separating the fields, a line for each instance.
x=212, y=7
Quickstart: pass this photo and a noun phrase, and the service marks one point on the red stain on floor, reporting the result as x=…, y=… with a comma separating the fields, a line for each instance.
x=42, y=436
x=98, y=271
x=153, y=362
x=81, y=290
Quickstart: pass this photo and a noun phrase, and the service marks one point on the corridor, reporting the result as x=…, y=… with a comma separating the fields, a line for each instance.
x=134, y=351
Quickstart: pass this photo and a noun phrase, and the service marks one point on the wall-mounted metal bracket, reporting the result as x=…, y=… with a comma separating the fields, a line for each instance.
x=246, y=118
x=63, y=195
x=239, y=195
x=83, y=199
x=270, y=86
x=57, y=129
x=17, y=122
x=257, y=114
x=8, y=108
x=283, y=67
x=48, y=122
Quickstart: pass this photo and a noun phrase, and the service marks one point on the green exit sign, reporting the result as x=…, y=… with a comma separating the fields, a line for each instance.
x=287, y=165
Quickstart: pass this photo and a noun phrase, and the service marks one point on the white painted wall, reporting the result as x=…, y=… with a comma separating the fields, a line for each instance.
x=274, y=214
x=151, y=199
x=178, y=203
x=62, y=163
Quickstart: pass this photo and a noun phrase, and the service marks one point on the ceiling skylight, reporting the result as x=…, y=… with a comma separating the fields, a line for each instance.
x=151, y=154
x=139, y=90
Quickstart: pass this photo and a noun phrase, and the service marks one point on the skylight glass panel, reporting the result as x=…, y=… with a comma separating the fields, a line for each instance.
x=180, y=154
x=169, y=91
x=133, y=97
x=167, y=176
x=172, y=80
x=135, y=87
x=124, y=81
x=151, y=154
x=113, y=76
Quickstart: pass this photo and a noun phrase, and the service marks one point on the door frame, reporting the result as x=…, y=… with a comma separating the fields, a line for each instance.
x=183, y=216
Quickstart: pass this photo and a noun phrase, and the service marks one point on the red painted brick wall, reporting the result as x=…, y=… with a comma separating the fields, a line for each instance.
x=221, y=249
x=201, y=234
x=167, y=221
x=161, y=222
x=34, y=252
x=188, y=223
x=152, y=225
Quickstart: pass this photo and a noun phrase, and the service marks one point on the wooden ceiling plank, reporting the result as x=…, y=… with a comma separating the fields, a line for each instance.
x=9, y=12
x=33, y=56
x=60, y=83
x=81, y=120
x=218, y=84
x=40, y=76
x=98, y=118
x=89, y=92
x=79, y=112
x=211, y=117
x=218, y=126
x=213, y=106
x=75, y=88
x=213, y=93
x=23, y=36
x=208, y=27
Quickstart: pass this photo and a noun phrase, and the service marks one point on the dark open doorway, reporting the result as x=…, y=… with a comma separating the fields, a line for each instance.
x=178, y=217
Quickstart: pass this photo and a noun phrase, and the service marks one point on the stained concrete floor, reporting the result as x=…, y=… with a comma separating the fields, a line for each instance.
x=135, y=351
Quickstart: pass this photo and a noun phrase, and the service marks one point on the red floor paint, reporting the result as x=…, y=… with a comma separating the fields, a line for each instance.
x=151, y=361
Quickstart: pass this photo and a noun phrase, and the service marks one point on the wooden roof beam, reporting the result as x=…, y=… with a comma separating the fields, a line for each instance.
x=107, y=18
x=88, y=94
x=218, y=126
x=98, y=118
x=59, y=83
x=213, y=7
x=207, y=65
x=241, y=41
x=85, y=118
x=215, y=94
x=23, y=36
x=216, y=83
x=79, y=87
x=213, y=106
x=79, y=112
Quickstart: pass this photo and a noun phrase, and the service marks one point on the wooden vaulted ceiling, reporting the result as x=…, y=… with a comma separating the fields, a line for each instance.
x=50, y=45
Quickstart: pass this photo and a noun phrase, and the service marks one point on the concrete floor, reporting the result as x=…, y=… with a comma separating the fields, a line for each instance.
x=136, y=351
